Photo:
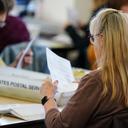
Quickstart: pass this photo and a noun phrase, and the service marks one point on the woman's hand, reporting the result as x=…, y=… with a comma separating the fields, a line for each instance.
x=27, y=60
x=49, y=88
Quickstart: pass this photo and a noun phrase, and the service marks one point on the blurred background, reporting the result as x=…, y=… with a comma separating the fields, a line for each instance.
x=61, y=25
x=57, y=25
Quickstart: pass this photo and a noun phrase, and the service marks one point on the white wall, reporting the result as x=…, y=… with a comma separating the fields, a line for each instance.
x=84, y=9
x=56, y=10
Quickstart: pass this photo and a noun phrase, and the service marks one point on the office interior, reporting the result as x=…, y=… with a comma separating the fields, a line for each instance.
x=49, y=23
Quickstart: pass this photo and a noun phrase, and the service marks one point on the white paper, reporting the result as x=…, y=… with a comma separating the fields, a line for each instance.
x=60, y=69
x=27, y=112
x=5, y=108
x=25, y=52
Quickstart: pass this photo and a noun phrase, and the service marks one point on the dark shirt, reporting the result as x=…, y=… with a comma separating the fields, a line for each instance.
x=82, y=42
x=13, y=32
x=87, y=108
x=78, y=40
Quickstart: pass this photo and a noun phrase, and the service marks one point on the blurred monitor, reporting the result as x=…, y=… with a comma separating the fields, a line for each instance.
x=22, y=2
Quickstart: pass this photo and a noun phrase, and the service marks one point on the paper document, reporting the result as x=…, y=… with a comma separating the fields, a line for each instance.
x=25, y=52
x=60, y=69
x=26, y=112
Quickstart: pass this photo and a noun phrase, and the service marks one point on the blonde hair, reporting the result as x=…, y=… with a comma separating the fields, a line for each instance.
x=114, y=52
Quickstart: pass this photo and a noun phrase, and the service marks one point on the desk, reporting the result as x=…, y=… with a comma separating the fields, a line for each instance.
x=6, y=100
x=60, y=48
x=52, y=44
x=11, y=122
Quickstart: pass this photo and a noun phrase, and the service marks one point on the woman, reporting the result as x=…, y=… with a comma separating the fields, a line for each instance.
x=27, y=60
x=118, y=4
x=12, y=29
x=103, y=93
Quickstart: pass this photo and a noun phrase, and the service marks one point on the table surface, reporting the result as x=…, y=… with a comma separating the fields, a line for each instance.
x=7, y=100
x=53, y=44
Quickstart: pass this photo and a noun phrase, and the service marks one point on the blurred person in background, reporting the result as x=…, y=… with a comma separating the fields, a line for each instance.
x=29, y=7
x=119, y=5
x=12, y=29
x=101, y=99
x=13, y=38
x=86, y=56
x=27, y=60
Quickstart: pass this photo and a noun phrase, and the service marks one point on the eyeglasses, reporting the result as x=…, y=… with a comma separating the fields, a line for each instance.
x=2, y=24
x=92, y=37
